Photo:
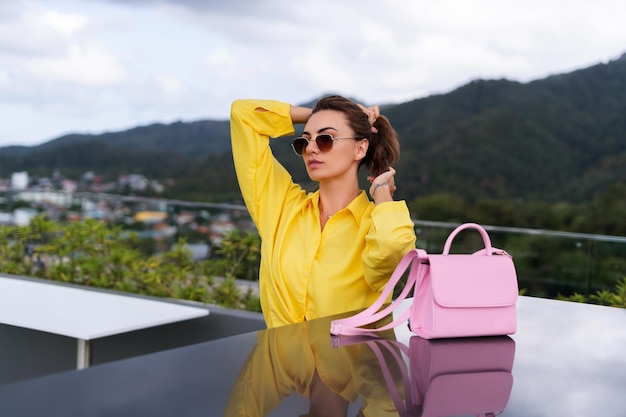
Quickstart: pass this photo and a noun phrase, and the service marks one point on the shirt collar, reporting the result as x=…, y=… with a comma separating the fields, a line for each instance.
x=357, y=206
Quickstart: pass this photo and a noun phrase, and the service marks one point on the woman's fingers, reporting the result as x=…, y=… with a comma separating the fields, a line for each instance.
x=372, y=112
x=391, y=179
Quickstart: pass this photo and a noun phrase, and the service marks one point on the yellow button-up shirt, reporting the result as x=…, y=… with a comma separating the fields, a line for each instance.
x=307, y=272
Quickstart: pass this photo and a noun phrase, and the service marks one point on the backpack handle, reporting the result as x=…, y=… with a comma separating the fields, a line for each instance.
x=488, y=249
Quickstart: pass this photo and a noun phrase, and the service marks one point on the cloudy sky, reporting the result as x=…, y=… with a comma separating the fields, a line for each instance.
x=105, y=65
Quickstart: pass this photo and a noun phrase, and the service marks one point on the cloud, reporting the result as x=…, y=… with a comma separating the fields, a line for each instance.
x=231, y=8
x=66, y=24
x=399, y=50
x=81, y=65
x=125, y=62
x=4, y=78
x=26, y=35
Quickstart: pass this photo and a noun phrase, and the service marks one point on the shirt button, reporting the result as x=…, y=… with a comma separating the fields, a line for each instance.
x=306, y=274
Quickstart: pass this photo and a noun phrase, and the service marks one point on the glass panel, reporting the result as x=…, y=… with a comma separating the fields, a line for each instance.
x=548, y=263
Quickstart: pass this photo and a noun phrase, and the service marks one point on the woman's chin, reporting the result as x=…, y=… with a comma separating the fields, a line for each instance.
x=313, y=175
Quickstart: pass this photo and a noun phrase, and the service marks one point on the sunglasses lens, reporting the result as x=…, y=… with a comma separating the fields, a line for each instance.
x=324, y=142
x=299, y=144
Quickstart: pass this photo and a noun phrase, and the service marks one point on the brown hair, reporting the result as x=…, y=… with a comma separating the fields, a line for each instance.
x=384, y=148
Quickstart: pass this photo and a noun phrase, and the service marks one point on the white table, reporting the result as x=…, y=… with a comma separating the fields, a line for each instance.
x=81, y=313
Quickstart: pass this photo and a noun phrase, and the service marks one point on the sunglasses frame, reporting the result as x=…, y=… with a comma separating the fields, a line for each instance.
x=326, y=145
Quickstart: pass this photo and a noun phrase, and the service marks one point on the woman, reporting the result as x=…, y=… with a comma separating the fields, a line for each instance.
x=332, y=250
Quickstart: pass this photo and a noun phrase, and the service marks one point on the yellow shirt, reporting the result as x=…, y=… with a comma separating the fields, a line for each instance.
x=306, y=273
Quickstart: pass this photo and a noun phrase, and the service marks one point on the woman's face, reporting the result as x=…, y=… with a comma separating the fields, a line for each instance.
x=343, y=157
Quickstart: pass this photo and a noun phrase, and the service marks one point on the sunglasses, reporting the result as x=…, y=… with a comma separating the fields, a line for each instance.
x=324, y=143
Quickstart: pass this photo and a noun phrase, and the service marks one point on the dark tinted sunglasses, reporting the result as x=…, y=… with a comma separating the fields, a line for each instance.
x=324, y=143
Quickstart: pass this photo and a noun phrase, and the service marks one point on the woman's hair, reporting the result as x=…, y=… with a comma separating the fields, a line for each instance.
x=384, y=148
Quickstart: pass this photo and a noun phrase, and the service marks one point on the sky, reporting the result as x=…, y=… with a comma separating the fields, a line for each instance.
x=77, y=66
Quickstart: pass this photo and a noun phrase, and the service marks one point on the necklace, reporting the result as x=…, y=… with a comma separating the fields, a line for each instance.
x=327, y=217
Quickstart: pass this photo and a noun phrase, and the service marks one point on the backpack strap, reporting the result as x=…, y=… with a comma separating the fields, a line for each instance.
x=413, y=261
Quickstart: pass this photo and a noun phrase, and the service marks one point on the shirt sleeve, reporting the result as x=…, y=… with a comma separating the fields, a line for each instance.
x=264, y=183
x=391, y=236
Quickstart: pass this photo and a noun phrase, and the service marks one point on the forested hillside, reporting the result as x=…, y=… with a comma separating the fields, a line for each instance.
x=562, y=138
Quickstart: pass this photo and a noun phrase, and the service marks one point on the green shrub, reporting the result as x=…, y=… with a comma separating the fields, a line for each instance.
x=613, y=298
x=92, y=253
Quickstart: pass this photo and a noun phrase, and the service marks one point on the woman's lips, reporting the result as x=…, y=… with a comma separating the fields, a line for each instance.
x=314, y=163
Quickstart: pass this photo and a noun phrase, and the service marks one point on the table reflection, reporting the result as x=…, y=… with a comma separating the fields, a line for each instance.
x=414, y=377
x=301, y=358
x=449, y=377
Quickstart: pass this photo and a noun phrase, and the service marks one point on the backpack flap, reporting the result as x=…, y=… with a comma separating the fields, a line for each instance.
x=473, y=280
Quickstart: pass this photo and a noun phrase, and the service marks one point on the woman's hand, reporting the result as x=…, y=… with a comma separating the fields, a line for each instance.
x=383, y=186
x=299, y=115
x=373, y=113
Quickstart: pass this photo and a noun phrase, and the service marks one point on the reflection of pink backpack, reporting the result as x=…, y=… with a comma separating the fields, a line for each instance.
x=454, y=295
x=449, y=377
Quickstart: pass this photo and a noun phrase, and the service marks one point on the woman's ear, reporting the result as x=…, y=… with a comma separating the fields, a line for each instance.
x=361, y=149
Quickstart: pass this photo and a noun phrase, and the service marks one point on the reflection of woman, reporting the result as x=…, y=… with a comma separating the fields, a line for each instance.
x=333, y=250
x=301, y=359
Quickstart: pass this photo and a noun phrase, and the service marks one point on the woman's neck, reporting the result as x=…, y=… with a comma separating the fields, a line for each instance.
x=335, y=196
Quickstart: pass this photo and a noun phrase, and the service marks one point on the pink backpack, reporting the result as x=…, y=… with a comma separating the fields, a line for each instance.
x=454, y=295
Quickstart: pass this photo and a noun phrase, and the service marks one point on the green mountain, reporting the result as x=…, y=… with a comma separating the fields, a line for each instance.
x=561, y=138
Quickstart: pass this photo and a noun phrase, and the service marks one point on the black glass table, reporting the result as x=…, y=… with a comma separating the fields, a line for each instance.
x=566, y=359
